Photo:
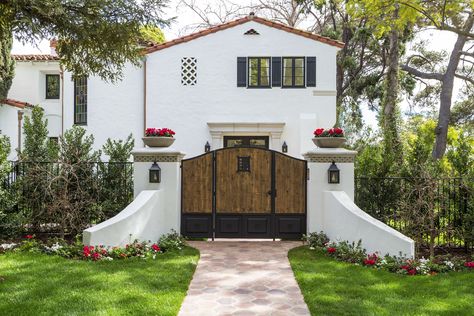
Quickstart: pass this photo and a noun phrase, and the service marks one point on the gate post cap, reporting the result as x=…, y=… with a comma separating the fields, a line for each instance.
x=163, y=154
x=330, y=154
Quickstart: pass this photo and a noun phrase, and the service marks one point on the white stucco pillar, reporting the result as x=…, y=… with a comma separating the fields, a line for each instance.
x=319, y=160
x=169, y=160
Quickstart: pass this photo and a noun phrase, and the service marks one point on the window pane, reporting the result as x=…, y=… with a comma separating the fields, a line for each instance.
x=299, y=81
x=234, y=143
x=253, y=71
x=299, y=62
x=287, y=62
x=264, y=76
x=258, y=143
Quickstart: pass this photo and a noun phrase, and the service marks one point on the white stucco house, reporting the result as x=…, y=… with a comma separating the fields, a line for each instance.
x=248, y=83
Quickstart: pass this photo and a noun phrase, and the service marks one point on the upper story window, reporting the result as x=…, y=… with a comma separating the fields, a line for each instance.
x=259, y=72
x=52, y=86
x=80, y=100
x=293, y=72
x=283, y=72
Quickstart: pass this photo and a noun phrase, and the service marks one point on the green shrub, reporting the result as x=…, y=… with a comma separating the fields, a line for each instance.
x=171, y=241
x=316, y=240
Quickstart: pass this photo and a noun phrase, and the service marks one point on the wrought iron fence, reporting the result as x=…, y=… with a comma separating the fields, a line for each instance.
x=30, y=189
x=436, y=211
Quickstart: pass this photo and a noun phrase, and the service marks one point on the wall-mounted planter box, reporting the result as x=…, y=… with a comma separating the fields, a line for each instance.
x=329, y=142
x=158, y=141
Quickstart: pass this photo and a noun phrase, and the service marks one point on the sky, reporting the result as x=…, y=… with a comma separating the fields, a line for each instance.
x=437, y=40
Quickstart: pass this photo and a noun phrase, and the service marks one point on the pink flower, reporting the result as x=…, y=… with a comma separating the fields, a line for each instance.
x=96, y=256
x=155, y=247
x=469, y=264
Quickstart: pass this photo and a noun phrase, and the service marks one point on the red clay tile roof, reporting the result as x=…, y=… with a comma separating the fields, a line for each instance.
x=16, y=103
x=35, y=57
x=246, y=19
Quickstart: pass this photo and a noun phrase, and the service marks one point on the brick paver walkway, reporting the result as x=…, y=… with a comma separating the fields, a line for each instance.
x=244, y=278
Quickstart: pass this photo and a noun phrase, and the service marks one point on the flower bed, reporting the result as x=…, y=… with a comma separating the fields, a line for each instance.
x=76, y=250
x=354, y=253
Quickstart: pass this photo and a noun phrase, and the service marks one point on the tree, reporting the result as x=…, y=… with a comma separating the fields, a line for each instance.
x=151, y=35
x=7, y=64
x=456, y=17
x=95, y=37
x=37, y=147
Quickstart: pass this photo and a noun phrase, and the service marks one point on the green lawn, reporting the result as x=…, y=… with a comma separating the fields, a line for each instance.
x=337, y=288
x=38, y=284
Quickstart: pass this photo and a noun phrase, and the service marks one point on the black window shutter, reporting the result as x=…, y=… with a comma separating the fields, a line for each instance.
x=276, y=71
x=311, y=71
x=241, y=71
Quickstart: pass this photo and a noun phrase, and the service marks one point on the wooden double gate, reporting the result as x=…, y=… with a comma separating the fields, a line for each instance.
x=243, y=192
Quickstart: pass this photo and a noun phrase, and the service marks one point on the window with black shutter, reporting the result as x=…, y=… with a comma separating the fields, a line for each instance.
x=241, y=71
x=293, y=72
x=311, y=71
x=259, y=72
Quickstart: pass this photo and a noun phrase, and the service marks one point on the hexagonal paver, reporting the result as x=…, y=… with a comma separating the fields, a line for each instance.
x=244, y=278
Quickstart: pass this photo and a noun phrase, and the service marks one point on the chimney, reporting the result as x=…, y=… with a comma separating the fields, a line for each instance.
x=52, y=45
x=251, y=15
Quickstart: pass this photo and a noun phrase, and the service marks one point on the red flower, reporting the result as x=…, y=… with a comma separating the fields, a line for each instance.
x=469, y=264
x=331, y=249
x=96, y=256
x=331, y=131
x=86, y=251
x=405, y=267
x=155, y=247
x=338, y=131
x=412, y=272
x=369, y=262
x=318, y=131
x=29, y=236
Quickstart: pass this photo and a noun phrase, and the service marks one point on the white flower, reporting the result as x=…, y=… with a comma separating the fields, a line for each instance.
x=311, y=248
x=7, y=246
x=449, y=264
x=109, y=258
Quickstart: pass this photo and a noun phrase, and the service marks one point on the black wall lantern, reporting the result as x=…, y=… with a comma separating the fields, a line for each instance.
x=333, y=173
x=284, y=147
x=155, y=173
x=207, y=147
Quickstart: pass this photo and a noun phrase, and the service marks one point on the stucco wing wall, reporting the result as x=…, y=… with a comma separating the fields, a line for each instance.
x=139, y=220
x=343, y=220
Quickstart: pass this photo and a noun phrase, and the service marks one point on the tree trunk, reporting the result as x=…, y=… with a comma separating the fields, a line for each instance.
x=447, y=93
x=346, y=37
x=7, y=64
x=389, y=115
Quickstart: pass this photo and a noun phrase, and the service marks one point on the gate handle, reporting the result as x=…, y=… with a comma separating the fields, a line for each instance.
x=270, y=192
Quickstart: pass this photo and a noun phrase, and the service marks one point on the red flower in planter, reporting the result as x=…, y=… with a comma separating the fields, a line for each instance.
x=338, y=131
x=331, y=249
x=318, y=131
x=331, y=131
x=469, y=264
x=155, y=247
x=29, y=236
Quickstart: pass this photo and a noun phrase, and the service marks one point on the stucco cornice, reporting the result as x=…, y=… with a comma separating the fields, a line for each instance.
x=219, y=128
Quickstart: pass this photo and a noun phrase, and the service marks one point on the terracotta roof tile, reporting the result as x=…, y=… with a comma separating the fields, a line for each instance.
x=246, y=19
x=35, y=57
x=16, y=103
